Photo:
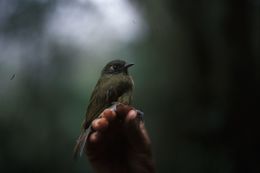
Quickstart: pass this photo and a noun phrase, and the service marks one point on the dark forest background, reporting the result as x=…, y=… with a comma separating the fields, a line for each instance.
x=196, y=72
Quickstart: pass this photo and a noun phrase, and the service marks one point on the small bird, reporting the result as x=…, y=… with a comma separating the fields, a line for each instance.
x=114, y=86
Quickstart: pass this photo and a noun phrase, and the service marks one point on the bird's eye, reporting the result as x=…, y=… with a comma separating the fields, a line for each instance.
x=114, y=67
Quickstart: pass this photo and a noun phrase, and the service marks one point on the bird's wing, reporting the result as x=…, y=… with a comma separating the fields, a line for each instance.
x=98, y=101
x=104, y=94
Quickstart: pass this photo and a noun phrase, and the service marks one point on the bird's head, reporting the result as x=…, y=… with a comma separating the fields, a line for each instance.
x=116, y=67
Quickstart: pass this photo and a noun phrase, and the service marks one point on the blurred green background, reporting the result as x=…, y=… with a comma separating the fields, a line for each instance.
x=195, y=73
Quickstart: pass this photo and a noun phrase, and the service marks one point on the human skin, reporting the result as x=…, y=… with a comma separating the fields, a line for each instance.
x=119, y=143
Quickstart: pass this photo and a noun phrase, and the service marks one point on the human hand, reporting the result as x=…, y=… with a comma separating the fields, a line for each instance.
x=119, y=143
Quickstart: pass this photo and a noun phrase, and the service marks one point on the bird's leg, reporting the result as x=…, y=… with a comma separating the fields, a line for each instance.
x=114, y=106
x=140, y=114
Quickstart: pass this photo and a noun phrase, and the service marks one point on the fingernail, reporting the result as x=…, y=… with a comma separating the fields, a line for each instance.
x=131, y=115
x=94, y=137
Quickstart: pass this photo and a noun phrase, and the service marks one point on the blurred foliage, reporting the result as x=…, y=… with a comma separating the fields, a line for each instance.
x=195, y=76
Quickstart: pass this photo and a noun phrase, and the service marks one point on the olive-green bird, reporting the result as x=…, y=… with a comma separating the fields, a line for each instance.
x=114, y=86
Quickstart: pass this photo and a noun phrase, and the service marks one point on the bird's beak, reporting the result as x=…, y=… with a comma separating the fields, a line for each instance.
x=128, y=65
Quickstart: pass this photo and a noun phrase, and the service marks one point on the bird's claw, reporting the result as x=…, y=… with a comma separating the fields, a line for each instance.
x=114, y=106
x=140, y=115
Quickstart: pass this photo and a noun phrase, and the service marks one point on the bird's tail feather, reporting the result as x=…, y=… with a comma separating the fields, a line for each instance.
x=81, y=142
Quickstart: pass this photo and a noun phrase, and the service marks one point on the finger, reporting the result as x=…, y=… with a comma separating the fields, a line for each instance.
x=109, y=115
x=100, y=124
x=144, y=133
x=135, y=129
x=131, y=116
x=132, y=123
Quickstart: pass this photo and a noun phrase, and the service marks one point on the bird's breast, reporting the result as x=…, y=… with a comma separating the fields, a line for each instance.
x=119, y=84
